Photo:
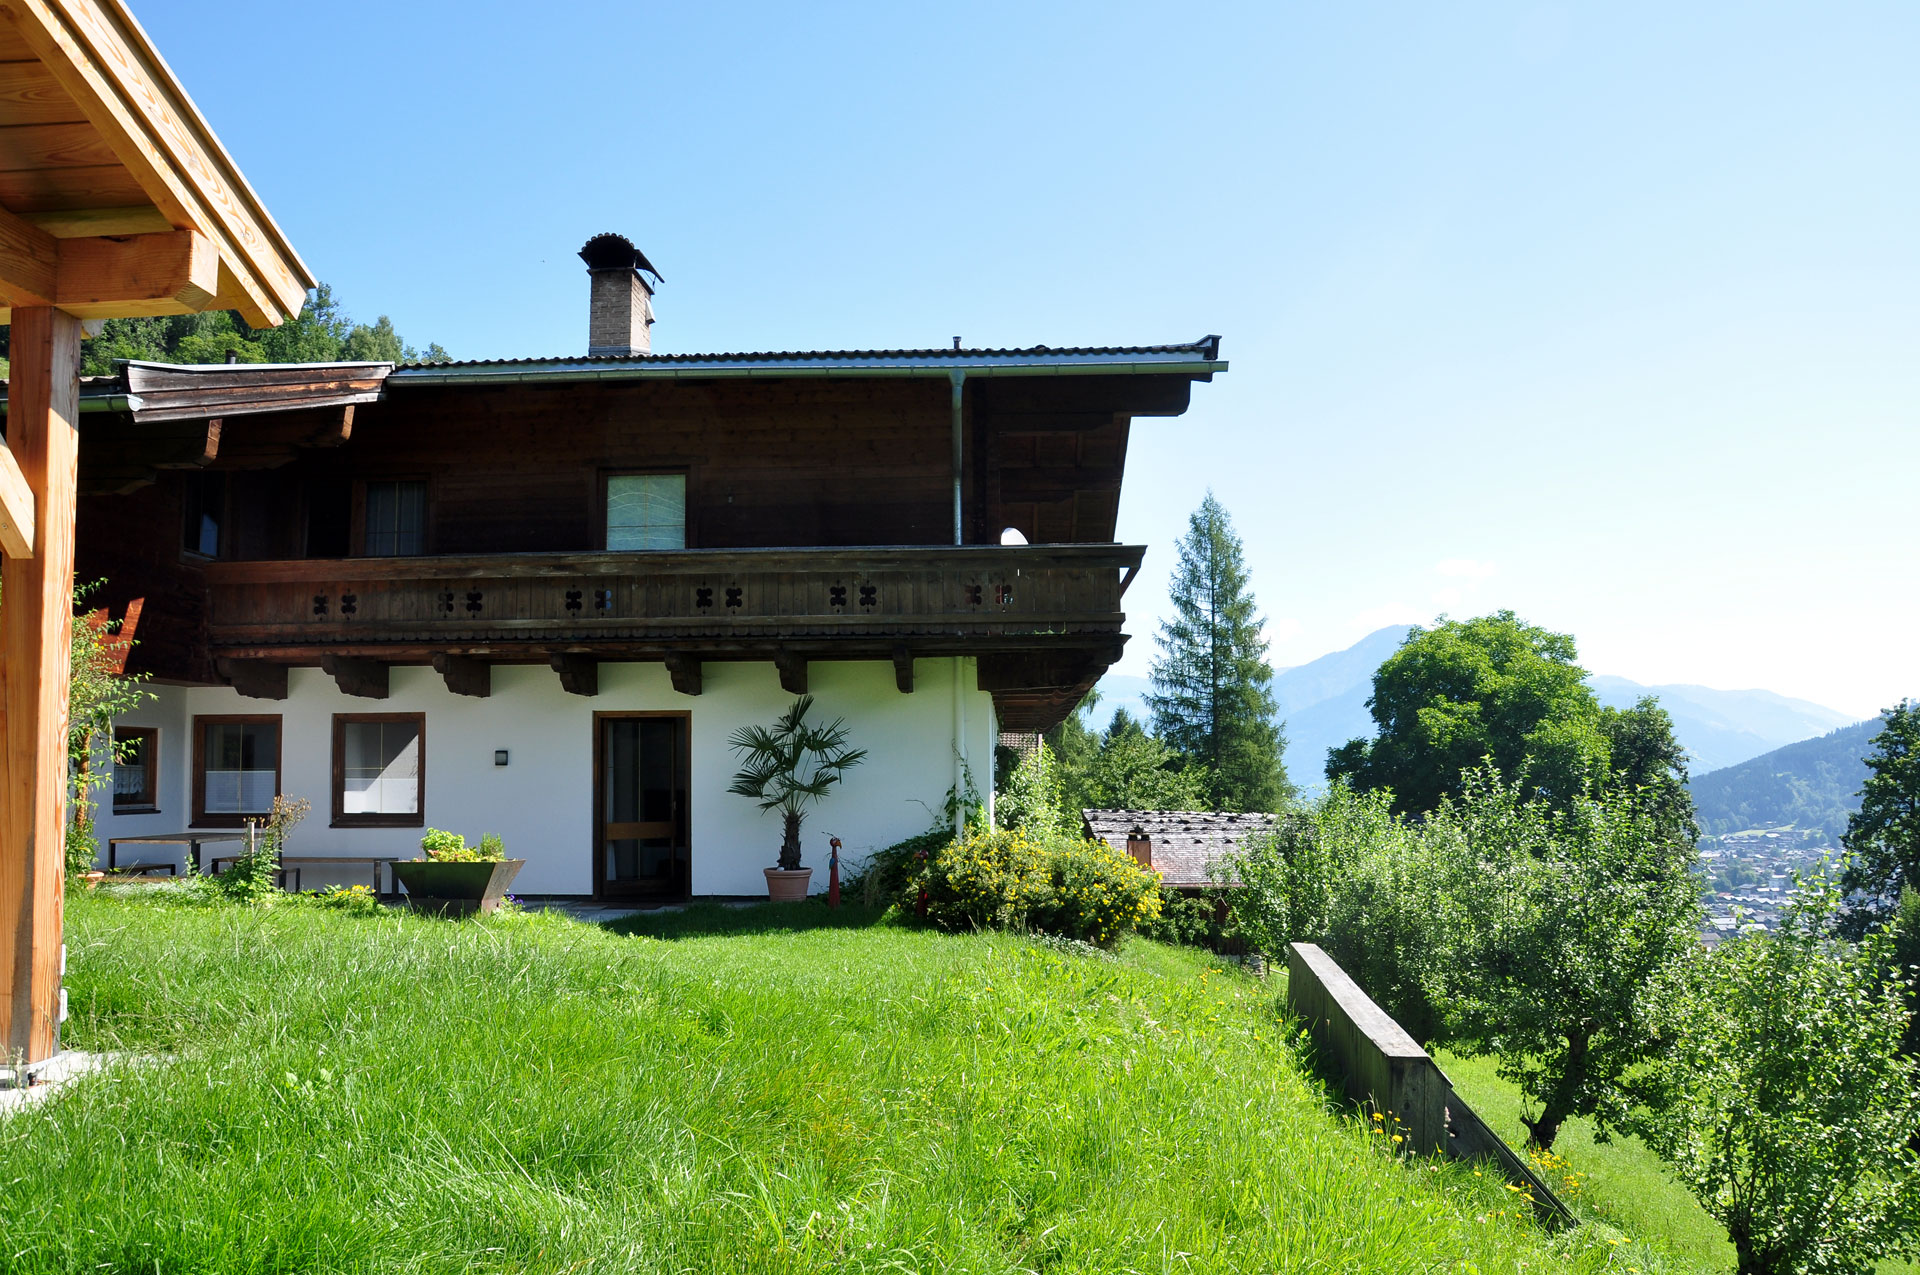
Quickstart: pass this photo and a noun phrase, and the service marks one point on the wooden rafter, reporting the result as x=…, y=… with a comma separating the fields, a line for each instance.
x=16, y=508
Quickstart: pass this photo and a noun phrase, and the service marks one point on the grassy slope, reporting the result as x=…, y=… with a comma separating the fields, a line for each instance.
x=1624, y=1183
x=533, y=1094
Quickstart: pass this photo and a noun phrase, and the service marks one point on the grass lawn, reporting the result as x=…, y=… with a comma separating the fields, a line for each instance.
x=718, y=1090
x=1624, y=1184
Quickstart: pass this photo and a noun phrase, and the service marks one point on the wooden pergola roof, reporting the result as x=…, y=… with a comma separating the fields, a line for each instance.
x=116, y=200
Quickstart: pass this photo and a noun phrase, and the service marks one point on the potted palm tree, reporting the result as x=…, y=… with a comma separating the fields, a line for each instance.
x=788, y=767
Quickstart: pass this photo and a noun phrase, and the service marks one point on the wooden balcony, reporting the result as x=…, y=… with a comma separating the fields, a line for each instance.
x=1045, y=619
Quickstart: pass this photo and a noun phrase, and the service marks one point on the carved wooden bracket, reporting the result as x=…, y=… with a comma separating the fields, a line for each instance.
x=579, y=674
x=465, y=675
x=366, y=679
x=685, y=672
x=255, y=679
x=903, y=669
x=793, y=672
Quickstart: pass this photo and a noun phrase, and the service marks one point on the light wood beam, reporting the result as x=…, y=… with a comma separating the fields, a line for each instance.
x=177, y=272
x=36, y=630
x=16, y=508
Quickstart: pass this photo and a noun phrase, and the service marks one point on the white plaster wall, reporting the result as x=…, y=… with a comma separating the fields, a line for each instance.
x=542, y=801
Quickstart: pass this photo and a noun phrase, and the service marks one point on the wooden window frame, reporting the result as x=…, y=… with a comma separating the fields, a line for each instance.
x=595, y=863
x=608, y=473
x=357, y=527
x=150, y=763
x=418, y=819
x=201, y=819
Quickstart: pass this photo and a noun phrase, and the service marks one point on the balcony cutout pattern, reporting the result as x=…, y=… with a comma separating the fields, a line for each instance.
x=973, y=595
x=446, y=602
x=319, y=604
x=349, y=603
x=703, y=596
x=475, y=598
x=733, y=595
x=837, y=595
x=869, y=595
x=603, y=601
x=573, y=602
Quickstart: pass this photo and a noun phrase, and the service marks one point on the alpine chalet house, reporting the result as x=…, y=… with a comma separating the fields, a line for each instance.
x=535, y=596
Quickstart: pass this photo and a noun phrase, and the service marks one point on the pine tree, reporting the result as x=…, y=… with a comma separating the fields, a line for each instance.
x=1212, y=697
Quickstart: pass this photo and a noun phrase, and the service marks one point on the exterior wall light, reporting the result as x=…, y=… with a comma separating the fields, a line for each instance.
x=499, y=756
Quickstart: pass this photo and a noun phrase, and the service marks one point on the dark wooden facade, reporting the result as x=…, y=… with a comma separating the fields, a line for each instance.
x=819, y=515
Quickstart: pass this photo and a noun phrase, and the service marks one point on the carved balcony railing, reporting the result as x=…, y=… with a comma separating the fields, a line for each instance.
x=719, y=600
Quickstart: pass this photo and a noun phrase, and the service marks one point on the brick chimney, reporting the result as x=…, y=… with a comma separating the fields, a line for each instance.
x=620, y=307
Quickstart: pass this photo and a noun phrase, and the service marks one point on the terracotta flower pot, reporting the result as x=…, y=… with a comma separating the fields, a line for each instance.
x=788, y=887
x=456, y=889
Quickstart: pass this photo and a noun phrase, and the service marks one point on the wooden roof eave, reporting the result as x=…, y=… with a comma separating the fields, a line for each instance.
x=232, y=254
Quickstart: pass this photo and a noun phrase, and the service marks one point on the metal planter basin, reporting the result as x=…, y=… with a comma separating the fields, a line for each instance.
x=456, y=889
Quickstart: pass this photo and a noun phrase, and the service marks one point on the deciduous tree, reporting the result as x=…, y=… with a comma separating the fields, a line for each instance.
x=1212, y=697
x=1786, y=1106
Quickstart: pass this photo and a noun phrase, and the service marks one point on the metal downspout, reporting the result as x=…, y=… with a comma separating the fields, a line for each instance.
x=959, y=378
x=959, y=748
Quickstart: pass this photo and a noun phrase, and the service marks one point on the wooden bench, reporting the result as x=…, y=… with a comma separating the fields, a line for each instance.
x=291, y=864
x=143, y=869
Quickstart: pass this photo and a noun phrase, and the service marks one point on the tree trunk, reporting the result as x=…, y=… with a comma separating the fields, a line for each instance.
x=1559, y=1103
x=790, y=846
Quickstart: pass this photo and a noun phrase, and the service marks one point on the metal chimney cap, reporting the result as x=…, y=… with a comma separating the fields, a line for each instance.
x=616, y=252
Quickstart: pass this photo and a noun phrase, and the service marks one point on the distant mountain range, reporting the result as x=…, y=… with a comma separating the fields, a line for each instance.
x=1324, y=704
x=1814, y=783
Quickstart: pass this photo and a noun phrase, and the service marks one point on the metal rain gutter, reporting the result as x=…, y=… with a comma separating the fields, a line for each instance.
x=780, y=372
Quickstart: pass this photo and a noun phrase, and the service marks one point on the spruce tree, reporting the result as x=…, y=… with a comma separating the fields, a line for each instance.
x=1212, y=696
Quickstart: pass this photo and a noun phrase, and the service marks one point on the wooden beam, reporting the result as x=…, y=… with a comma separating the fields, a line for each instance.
x=579, y=674
x=29, y=262
x=366, y=679
x=82, y=223
x=36, y=629
x=255, y=679
x=903, y=669
x=793, y=672
x=16, y=508
x=684, y=670
x=174, y=273
x=465, y=675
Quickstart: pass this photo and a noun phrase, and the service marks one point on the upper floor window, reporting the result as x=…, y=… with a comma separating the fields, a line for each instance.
x=396, y=519
x=136, y=758
x=647, y=511
x=205, y=509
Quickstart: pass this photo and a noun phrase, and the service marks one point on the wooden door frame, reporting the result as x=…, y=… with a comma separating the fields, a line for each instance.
x=599, y=791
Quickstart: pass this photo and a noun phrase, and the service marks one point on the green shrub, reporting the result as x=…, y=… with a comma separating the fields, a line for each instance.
x=1347, y=874
x=347, y=898
x=884, y=873
x=1194, y=920
x=1018, y=880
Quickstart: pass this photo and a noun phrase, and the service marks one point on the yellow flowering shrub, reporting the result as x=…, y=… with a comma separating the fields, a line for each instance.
x=1017, y=879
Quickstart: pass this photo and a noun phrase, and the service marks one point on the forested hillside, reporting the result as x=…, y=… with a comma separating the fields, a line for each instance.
x=1812, y=784
x=322, y=333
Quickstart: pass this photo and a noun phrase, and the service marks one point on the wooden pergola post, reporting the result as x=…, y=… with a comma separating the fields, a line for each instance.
x=36, y=630
x=155, y=220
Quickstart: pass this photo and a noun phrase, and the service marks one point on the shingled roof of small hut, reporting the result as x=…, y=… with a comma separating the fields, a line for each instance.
x=1186, y=843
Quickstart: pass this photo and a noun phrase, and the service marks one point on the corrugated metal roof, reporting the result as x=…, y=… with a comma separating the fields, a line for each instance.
x=1200, y=358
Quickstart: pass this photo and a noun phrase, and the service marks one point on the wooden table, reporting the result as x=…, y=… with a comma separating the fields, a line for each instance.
x=192, y=840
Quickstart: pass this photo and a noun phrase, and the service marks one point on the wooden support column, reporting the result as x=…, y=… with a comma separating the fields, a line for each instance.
x=255, y=679
x=793, y=672
x=366, y=679
x=465, y=675
x=36, y=632
x=903, y=669
x=579, y=674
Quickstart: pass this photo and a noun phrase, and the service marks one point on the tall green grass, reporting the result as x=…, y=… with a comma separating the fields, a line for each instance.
x=720, y=1090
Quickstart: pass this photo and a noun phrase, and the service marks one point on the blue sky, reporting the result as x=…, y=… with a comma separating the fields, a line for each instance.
x=1607, y=314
